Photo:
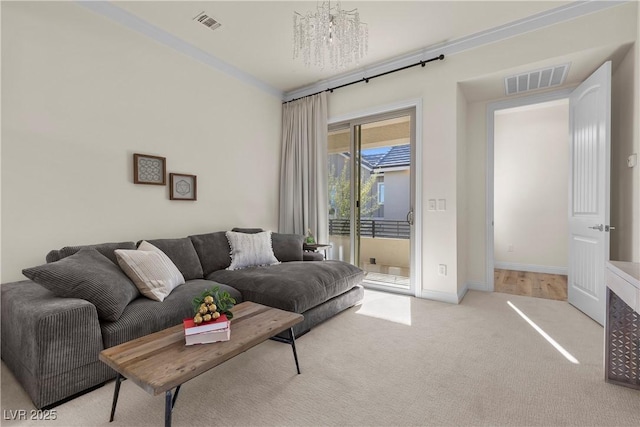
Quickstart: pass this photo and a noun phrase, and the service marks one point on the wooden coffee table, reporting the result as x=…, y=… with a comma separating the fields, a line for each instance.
x=160, y=362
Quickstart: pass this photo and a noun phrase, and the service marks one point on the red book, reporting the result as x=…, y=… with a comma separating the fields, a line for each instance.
x=191, y=328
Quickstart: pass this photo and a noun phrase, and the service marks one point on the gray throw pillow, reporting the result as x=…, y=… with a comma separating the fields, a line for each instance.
x=90, y=276
x=183, y=255
x=288, y=247
x=213, y=250
x=106, y=249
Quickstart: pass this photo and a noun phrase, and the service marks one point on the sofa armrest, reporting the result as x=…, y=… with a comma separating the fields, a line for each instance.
x=44, y=336
x=312, y=256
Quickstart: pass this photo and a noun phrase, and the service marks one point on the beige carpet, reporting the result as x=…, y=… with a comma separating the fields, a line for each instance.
x=418, y=363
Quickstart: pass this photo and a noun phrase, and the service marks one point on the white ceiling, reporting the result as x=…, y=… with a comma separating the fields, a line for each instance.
x=256, y=36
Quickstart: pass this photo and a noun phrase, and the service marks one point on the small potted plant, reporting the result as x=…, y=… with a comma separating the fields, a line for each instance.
x=211, y=304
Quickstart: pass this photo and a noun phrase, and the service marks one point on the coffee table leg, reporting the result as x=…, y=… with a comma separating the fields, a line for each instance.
x=168, y=408
x=169, y=404
x=119, y=379
x=293, y=346
x=175, y=397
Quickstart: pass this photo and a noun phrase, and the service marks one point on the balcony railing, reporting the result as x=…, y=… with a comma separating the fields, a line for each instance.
x=372, y=228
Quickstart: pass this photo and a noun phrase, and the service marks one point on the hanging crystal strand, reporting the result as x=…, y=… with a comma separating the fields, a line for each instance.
x=296, y=37
x=326, y=33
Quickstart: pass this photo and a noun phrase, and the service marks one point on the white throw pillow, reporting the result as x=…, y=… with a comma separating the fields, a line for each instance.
x=250, y=250
x=151, y=270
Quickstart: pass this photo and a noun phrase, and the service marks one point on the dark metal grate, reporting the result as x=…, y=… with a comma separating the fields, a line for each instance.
x=623, y=343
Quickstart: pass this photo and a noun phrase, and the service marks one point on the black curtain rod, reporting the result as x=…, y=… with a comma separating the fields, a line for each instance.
x=366, y=79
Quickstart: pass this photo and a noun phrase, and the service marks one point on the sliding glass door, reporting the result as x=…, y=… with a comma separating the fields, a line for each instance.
x=371, y=188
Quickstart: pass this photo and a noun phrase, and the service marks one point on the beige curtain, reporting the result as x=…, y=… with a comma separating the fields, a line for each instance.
x=303, y=176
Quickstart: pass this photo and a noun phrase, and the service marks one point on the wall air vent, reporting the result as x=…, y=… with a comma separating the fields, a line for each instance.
x=538, y=79
x=206, y=20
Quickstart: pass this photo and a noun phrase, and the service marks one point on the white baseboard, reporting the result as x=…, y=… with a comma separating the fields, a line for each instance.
x=441, y=296
x=531, y=267
x=477, y=286
x=462, y=292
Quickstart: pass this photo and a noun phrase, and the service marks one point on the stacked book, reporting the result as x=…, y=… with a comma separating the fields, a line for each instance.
x=208, y=332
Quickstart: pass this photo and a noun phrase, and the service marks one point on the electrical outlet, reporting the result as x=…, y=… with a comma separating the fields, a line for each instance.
x=632, y=160
x=442, y=269
x=442, y=204
x=511, y=249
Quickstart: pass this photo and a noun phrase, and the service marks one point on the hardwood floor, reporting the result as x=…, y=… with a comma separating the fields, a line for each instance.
x=540, y=285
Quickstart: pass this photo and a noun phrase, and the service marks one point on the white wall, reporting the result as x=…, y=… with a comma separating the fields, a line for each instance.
x=396, y=194
x=531, y=180
x=436, y=85
x=80, y=95
x=461, y=193
x=624, y=180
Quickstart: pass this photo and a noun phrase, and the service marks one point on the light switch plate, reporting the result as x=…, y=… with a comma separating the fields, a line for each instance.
x=442, y=204
x=632, y=160
x=431, y=204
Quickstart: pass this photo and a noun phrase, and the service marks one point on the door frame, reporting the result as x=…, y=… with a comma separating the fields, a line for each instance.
x=415, y=263
x=490, y=120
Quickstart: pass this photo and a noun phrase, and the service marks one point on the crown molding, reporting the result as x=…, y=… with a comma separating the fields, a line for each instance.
x=129, y=20
x=502, y=32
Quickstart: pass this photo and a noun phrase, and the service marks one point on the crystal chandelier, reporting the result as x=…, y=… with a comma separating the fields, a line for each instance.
x=330, y=32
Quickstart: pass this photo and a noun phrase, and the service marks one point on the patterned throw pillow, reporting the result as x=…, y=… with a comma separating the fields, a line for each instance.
x=250, y=250
x=151, y=270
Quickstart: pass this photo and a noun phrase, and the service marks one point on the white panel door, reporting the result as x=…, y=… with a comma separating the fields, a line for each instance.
x=590, y=122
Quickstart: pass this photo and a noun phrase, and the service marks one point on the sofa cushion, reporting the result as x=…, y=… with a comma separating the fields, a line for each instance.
x=153, y=273
x=287, y=247
x=144, y=316
x=105, y=249
x=88, y=275
x=183, y=255
x=213, y=250
x=250, y=250
x=294, y=286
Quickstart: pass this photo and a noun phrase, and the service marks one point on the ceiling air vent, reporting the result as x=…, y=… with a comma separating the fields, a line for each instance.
x=538, y=79
x=206, y=20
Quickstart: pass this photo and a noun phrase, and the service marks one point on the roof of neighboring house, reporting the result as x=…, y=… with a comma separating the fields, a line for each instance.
x=397, y=156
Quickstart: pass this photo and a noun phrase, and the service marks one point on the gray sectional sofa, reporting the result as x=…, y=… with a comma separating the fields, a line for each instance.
x=51, y=343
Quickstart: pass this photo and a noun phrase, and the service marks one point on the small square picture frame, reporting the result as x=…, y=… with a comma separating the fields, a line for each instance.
x=183, y=186
x=150, y=170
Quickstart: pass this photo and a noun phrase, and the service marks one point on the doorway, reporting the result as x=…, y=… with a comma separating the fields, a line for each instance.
x=506, y=246
x=371, y=196
x=589, y=141
x=531, y=177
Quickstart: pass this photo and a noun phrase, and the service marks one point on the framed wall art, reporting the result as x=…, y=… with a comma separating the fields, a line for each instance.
x=183, y=187
x=149, y=169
